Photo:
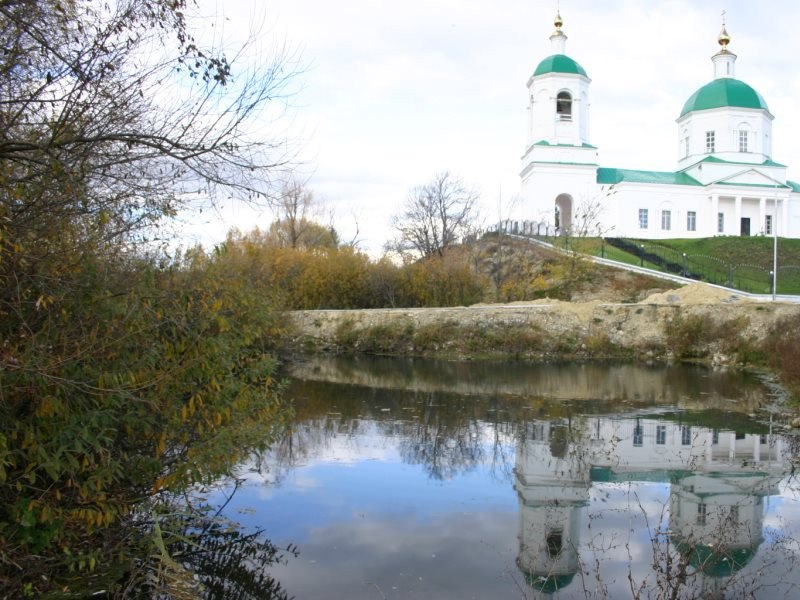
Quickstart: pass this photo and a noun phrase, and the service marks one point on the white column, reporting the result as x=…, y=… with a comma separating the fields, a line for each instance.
x=762, y=214
x=785, y=217
x=731, y=446
x=714, y=214
x=738, y=214
x=757, y=448
x=576, y=120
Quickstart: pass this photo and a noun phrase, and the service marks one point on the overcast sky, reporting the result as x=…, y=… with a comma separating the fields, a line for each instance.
x=393, y=92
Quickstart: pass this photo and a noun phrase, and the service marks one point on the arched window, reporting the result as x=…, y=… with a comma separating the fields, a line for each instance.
x=564, y=106
x=685, y=143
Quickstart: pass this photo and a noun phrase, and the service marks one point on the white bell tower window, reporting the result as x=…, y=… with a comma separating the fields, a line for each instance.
x=564, y=106
x=710, y=142
x=742, y=140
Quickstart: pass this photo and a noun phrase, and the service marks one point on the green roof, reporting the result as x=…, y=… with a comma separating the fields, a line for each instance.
x=548, y=584
x=611, y=176
x=714, y=159
x=608, y=475
x=715, y=561
x=559, y=63
x=795, y=186
x=546, y=143
x=725, y=91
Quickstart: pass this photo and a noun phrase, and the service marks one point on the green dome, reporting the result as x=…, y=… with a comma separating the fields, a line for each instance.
x=724, y=92
x=559, y=63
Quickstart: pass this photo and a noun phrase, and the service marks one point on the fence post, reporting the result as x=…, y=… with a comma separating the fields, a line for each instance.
x=602, y=247
x=641, y=256
x=730, y=276
x=684, y=264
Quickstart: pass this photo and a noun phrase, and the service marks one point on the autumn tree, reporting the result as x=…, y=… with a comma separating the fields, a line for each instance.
x=117, y=368
x=297, y=224
x=435, y=216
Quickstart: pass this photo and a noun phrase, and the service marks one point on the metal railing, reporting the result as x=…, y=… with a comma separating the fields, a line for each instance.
x=752, y=278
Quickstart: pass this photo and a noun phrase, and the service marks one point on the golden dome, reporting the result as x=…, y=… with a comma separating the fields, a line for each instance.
x=558, y=22
x=724, y=39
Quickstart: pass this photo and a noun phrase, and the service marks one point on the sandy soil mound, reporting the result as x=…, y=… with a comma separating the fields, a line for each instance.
x=695, y=293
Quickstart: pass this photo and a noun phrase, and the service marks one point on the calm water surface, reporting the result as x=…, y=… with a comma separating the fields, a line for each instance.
x=423, y=479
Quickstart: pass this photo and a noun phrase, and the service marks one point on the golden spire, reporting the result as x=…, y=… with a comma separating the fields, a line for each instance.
x=558, y=22
x=724, y=38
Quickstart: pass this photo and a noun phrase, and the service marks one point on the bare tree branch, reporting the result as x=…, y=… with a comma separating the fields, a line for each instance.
x=436, y=216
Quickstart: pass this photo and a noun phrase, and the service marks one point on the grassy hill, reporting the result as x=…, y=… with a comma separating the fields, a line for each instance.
x=741, y=262
x=518, y=270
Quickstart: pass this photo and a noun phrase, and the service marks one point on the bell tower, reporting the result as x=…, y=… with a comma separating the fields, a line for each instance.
x=559, y=165
x=558, y=107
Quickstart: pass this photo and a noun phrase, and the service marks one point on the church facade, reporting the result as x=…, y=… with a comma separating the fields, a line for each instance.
x=726, y=181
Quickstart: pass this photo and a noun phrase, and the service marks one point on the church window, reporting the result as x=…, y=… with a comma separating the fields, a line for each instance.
x=686, y=435
x=555, y=542
x=691, y=220
x=768, y=225
x=742, y=140
x=720, y=222
x=564, y=106
x=701, y=514
x=642, y=218
x=686, y=146
x=666, y=220
x=661, y=435
x=638, y=434
x=709, y=142
x=537, y=431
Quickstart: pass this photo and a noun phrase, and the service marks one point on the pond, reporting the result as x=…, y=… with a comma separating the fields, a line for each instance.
x=422, y=479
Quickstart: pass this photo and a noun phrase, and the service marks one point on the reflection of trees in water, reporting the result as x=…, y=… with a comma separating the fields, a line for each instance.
x=444, y=439
x=597, y=381
x=446, y=434
x=200, y=554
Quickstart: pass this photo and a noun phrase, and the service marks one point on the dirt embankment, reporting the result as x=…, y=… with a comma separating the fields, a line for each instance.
x=642, y=328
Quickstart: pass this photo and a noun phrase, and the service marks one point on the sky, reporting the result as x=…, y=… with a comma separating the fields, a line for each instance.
x=391, y=93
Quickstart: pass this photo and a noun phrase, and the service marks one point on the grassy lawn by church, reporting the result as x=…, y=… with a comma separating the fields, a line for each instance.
x=741, y=262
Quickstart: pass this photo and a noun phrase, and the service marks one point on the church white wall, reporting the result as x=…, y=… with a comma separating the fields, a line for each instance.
x=620, y=205
x=678, y=200
x=726, y=124
x=544, y=183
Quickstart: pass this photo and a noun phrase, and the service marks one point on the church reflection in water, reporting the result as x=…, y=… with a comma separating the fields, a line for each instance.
x=711, y=526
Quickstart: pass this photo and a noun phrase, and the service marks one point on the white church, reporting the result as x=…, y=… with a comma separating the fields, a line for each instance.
x=726, y=182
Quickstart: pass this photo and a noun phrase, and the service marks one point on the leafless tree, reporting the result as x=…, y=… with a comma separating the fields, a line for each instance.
x=436, y=216
x=297, y=225
x=110, y=113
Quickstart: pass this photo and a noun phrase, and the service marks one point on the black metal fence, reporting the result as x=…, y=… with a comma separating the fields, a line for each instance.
x=757, y=279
